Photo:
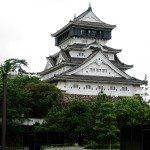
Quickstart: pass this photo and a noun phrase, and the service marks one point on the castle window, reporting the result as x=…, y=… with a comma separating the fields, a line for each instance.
x=88, y=86
x=104, y=70
x=98, y=70
x=84, y=40
x=112, y=88
x=92, y=69
x=93, y=33
x=75, y=86
x=89, y=32
x=124, y=88
x=100, y=88
x=83, y=32
x=81, y=54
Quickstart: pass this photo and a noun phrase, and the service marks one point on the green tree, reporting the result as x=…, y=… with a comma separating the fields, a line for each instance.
x=78, y=120
x=18, y=98
x=54, y=120
x=106, y=125
x=131, y=111
x=42, y=97
x=74, y=119
x=10, y=65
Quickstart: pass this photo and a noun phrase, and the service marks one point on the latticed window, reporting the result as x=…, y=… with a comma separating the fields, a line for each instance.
x=112, y=88
x=98, y=70
x=100, y=87
x=92, y=69
x=124, y=88
x=75, y=86
x=93, y=33
x=88, y=86
x=83, y=32
x=81, y=54
x=104, y=70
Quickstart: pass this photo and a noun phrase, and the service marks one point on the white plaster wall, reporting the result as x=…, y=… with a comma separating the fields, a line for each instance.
x=87, y=71
x=56, y=72
x=62, y=85
x=76, y=53
x=81, y=90
x=74, y=40
x=138, y=90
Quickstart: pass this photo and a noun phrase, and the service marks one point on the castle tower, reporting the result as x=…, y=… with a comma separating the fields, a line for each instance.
x=85, y=65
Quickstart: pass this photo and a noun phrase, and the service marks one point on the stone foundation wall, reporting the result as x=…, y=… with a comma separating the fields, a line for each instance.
x=68, y=97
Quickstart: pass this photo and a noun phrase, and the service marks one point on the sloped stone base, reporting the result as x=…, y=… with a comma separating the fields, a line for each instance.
x=68, y=97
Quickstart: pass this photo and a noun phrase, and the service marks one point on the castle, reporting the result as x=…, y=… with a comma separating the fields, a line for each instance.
x=85, y=65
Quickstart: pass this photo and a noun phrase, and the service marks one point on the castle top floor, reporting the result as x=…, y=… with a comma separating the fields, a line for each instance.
x=83, y=29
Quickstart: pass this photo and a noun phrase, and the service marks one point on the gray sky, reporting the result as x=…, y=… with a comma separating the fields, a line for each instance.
x=26, y=25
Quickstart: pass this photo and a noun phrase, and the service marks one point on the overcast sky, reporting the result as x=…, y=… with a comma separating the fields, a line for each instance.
x=26, y=27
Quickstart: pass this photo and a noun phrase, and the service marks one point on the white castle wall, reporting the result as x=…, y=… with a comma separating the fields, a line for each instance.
x=81, y=90
x=109, y=72
x=74, y=40
x=77, y=54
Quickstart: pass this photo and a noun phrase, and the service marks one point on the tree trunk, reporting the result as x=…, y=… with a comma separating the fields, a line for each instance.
x=109, y=146
x=4, y=111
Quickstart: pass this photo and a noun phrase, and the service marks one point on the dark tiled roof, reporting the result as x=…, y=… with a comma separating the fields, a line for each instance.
x=75, y=46
x=77, y=22
x=57, y=66
x=93, y=24
x=51, y=60
x=85, y=24
x=121, y=65
x=64, y=55
x=97, y=79
x=110, y=49
x=77, y=62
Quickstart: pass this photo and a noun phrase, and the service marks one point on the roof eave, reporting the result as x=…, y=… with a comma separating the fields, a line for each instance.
x=105, y=81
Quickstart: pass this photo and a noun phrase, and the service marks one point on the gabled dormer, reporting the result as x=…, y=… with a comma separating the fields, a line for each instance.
x=85, y=28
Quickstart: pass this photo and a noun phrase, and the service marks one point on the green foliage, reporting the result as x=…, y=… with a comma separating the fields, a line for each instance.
x=92, y=145
x=96, y=124
x=78, y=120
x=26, y=95
x=17, y=99
x=105, y=122
x=13, y=65
x=42, y=97
x=131, y=111
x=54, y=120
